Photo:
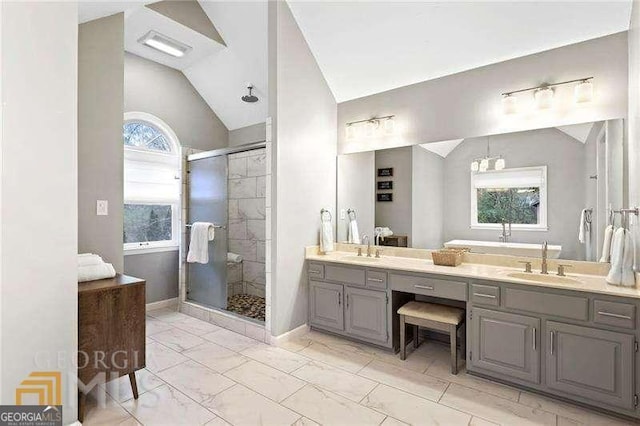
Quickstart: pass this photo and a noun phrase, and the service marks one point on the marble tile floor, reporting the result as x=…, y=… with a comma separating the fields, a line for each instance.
x=199, y=375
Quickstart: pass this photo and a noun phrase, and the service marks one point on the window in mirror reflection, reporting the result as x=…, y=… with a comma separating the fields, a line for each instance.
x=510, y=196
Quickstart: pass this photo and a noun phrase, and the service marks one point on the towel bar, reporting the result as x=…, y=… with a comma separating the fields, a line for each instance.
x=188, y=225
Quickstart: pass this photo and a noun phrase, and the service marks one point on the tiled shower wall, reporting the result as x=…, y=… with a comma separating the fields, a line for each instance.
x=246, y=189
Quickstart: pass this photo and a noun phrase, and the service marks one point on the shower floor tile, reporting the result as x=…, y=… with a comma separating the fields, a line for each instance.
x=247, y=305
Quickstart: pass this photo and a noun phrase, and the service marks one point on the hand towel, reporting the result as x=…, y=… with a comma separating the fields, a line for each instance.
x=584, y=233
x=201, y=234
x=233, y=257
x=326, y=236
x=614, y=276
x=628, y=278
x=87, y=259
x=353, y=235
x=606, y=244
x=95, y=272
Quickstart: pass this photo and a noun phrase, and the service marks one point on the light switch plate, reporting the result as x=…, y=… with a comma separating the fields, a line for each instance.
x=102, y=208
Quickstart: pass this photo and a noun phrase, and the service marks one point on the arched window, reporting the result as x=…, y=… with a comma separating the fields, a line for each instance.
x=151, y=183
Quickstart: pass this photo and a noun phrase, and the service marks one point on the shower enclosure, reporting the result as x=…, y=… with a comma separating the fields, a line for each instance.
x=227, y=188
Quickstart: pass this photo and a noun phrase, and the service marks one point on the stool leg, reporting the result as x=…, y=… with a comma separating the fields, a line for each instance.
x=134, y=385
x=416, y=333
x=463, y=340
x=454, y=349
x=403, y=344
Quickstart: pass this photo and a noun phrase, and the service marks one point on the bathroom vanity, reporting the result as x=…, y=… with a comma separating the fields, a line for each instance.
x=573, y=337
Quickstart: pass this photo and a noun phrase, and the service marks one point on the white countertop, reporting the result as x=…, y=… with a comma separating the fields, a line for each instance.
x=587, y=283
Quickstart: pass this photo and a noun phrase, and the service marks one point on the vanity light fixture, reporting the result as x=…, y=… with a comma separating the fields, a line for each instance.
x=543, y=94
x=372, y=127
x=164, y=44
x=483, y=164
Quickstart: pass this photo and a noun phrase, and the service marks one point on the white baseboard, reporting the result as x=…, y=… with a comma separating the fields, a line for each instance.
x=168, y=303
x=296, y=332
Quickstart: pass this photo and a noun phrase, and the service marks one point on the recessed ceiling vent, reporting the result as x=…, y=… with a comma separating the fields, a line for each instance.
x=164, y=44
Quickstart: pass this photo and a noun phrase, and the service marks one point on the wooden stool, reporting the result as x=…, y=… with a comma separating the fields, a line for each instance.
x=435, y=317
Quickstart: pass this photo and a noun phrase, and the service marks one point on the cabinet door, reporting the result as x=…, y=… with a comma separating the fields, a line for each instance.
x=591, y=363
x=325, y=302
x=506, y=343
x=366, y=313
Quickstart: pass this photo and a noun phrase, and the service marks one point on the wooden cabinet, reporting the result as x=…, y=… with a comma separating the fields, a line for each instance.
x=326, y=305
x=366, y=313
x=591, y=363
x=506, y=343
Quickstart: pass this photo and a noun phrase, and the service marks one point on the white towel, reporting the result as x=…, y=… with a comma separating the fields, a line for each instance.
x=606, y=244
x=326, y=236
x=201, y=234
x=95, y=272
x=584, y=234
x=628, y=274
x=353, y=236
x=87, y=259
x=617, y=252
x=233, y=257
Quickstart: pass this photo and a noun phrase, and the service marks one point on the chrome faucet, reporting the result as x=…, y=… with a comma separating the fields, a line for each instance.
x=543, y=267
x=366, y=237
x=504, y=237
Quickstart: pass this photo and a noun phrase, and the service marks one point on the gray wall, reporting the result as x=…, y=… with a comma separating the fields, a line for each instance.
x=397, y=213
x=304, y=148
x=159, y=269
x=356, y=190
x=166, y=93
x=468, y=104
x=100, y=152
x=244, y=135
x=565, y=161
x=427, y=213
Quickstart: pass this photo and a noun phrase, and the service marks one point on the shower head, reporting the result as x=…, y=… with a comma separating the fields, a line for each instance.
x=250, y=97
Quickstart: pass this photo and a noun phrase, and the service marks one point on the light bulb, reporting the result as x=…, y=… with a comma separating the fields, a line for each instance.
x=474, y=166
x=583, y=92
x=370, y=128
x=484, y=164
x=351, y=132
x=544, y=98
x=509, y=104
x=389, y=126
x=500, y=164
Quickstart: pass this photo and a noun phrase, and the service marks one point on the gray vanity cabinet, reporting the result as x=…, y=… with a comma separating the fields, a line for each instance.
x=506, y=343
x=591, y=363
x=366, y=313
x=325, y=305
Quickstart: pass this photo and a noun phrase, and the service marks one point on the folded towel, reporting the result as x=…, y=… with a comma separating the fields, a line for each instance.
x=382, y=231
x=86, y=259
x=95, y=272
x=614, y=276
x=326, y=235
x=628, y=277
x=353, y=235
x=606, y=244
x=233, y=257
x=201, y=234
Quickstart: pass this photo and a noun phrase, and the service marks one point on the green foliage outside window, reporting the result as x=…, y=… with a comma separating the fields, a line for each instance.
x=511, y=205
x=147, y=223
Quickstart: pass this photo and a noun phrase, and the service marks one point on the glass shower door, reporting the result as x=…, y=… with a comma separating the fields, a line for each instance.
x=207, y=284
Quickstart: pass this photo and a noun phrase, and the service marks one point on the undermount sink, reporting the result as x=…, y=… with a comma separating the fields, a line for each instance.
x=362, y=258
x=540, y=278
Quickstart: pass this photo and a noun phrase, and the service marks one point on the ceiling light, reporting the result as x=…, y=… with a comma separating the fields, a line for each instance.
x=484, y=164
x=475, y=166
x=389, y=126
x=500, y=164
x=583, y=91
x=371, y=127
x=164, y=44
x=509, y=104
x=543, y=97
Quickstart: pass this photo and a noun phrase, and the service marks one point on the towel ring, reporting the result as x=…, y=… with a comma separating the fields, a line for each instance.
x=349, y=212
x=322, y=211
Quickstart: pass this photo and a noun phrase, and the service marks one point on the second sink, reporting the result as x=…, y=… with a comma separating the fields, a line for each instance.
x=551, y=279
x=360, y=258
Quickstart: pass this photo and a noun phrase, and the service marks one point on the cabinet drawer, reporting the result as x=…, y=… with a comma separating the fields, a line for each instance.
x=377, y=279
x=547, y=303
x=316, y=270
x=456, y=290
x=344, y=275
x=485, y=294
x=614, y=313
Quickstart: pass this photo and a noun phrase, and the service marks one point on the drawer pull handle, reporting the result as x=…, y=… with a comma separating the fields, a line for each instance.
x=552, y=342
x=375, y=280
x=488, y=296
x=609, y=314
x=426, y=287
x=313, y=271
x=535, y=338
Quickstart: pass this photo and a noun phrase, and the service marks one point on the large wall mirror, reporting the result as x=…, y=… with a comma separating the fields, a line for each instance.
x=499, y=194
